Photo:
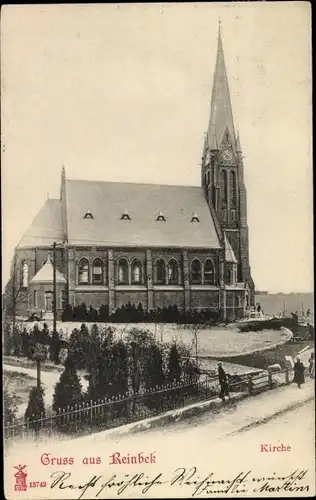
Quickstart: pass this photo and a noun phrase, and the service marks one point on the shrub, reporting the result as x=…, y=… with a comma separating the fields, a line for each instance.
x=35, y=409
x=174, y=366
x=68, y=390
x=68, y=313
x=78, y=346
x=153, y=371
x=9, y=405
x=130, y=313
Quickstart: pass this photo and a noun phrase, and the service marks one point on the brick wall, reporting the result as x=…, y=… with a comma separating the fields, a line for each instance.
x=134, y=297
x=204, y=299
x=165, y=298
x=92, y=298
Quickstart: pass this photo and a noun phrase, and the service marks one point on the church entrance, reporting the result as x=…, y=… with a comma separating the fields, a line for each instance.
x=48, y=301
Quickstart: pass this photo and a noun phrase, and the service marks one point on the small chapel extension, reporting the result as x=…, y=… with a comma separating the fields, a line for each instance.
x=158, y=245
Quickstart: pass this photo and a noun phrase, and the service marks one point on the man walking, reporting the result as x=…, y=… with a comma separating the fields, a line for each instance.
x=222, y=377
x=299, y=373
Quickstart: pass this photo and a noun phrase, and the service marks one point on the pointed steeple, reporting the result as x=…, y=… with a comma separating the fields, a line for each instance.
x=221, y=116
x=212, y=139
x=238, y=146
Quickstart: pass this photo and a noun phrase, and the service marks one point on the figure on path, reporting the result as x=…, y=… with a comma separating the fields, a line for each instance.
x=311, y=368
x=222, y=377
x=299, y=373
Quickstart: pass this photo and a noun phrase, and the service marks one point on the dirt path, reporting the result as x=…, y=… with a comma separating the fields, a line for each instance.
x=48, y=379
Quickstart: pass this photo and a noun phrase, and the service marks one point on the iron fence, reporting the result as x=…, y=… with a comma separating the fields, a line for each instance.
x=91, y=416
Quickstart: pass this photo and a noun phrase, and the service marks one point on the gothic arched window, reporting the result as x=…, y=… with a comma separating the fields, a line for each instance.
x=136, y=272
x=173, y=272
x=227, y=275
x=232, y=188
x=160, y=272
x=208, y=177
x=122, y=274
x=196, y=272
x=83, y=272
x=97, y=272
x=25, y=274
x=209, y=272
x=223, y=186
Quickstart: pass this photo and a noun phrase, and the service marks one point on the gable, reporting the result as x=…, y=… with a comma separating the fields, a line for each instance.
x=46, y=226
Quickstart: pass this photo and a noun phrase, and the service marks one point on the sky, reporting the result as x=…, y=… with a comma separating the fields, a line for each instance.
x=122, y=93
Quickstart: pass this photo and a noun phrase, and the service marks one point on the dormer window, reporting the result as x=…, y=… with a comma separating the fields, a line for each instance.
x=88, y=215
x=161, y=217
x=195, y=218
x=125, y=216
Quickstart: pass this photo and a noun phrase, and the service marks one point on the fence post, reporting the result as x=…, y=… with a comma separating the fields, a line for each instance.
x=287, y=378
x=250, y=386
x=91, y=410
x=270, y=380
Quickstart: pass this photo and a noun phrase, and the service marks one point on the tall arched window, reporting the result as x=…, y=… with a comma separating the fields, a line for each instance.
x=232, y=188
x=227, y=275
x=196, y=272
x=173, y=272
x=122, y=274
x=25, y=274
x=83, y=272
x=160, y=272
x=97, y=272
x=209, y=272
x=223, y=186
x=136, y=272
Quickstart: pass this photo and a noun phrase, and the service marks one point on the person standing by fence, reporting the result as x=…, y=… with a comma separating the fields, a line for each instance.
x=299, y=373
x=222, y=377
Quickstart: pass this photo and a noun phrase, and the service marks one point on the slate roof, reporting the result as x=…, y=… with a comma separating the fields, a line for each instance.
x=45, y=228
x=107, y=201
x=46, y=274
x=229, y=252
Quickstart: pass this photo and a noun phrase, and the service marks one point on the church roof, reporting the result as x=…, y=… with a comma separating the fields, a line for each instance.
x=46, y=226
x=46, y=274
x=221, y=116
x=229, y=252
x=108, y=201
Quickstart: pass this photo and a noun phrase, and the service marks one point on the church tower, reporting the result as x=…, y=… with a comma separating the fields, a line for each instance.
x=223, y=173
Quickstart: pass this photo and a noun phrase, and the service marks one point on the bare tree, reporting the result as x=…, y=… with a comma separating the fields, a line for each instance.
x=14, y=293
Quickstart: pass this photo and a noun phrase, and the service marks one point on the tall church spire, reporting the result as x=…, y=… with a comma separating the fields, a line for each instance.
x=221, y=117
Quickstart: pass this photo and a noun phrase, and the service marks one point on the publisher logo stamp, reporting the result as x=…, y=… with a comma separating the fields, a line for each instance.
x=20, y=478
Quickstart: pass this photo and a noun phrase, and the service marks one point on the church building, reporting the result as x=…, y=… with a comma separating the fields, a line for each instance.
x=157, y=245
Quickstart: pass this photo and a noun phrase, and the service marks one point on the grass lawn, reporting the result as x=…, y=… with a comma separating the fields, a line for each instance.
x=212, y=342
x=276, y=355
